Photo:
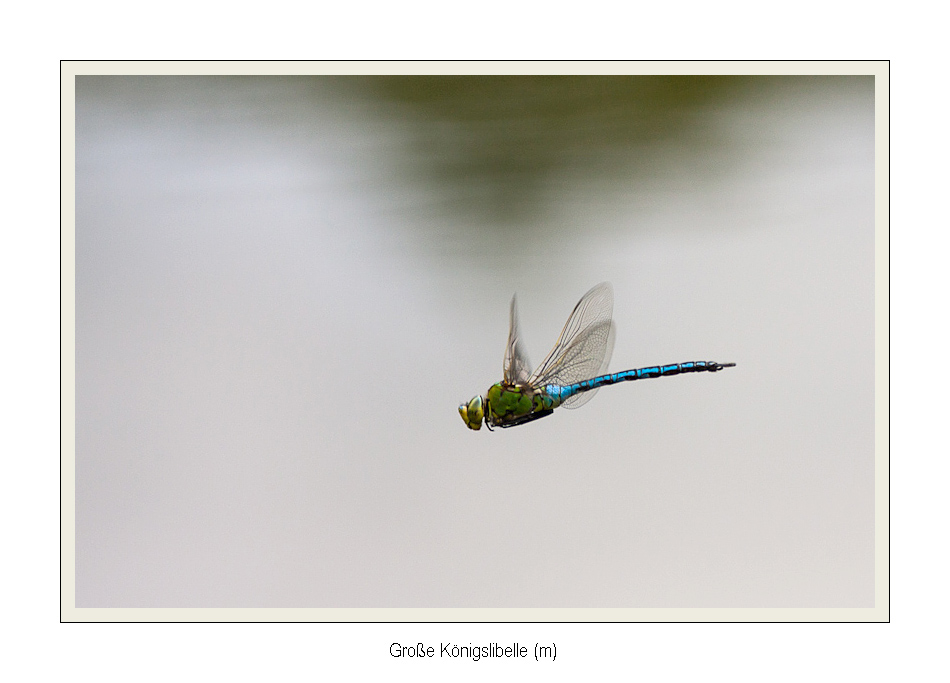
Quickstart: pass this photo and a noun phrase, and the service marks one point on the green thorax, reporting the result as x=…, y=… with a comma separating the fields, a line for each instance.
x=509, y=402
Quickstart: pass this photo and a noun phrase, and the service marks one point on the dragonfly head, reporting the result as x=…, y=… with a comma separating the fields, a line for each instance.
x=472, y=413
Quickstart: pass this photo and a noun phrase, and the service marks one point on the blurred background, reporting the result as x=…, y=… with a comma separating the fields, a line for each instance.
x=286, y=285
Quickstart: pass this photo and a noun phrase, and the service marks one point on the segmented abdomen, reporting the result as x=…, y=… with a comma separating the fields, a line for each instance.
x=560, y=394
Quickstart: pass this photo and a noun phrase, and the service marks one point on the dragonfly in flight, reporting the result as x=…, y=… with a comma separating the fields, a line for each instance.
x=570, y=375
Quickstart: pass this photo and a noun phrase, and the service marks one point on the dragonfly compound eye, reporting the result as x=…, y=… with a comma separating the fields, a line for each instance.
x=472, y=413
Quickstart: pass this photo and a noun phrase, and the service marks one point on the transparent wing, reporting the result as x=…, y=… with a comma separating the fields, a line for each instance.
x=581, y=361
x=517, y=365
x=584, y=347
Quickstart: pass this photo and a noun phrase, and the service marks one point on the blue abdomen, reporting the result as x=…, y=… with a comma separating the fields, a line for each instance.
x=560, y=394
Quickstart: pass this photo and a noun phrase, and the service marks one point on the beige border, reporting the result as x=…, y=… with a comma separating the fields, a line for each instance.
x=879, y=613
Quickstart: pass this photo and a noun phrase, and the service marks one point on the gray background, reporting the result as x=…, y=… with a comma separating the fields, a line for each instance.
x=285, y=286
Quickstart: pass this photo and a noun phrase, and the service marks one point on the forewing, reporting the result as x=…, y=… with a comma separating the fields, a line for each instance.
x=517, y=365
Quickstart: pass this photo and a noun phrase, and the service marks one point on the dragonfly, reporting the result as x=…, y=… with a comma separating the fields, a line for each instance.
x=571, y=373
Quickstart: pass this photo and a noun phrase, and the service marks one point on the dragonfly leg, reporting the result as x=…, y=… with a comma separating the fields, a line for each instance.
x=530, y=417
